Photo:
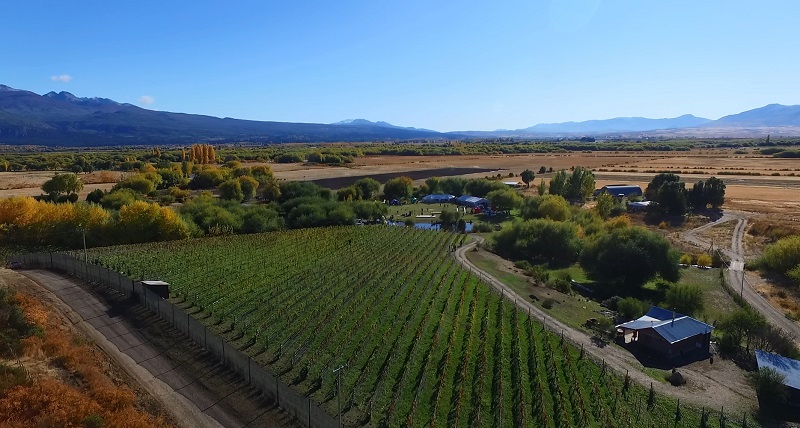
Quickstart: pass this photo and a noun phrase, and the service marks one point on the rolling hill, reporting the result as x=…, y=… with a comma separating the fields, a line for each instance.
x=63, y=119
x=66, y=120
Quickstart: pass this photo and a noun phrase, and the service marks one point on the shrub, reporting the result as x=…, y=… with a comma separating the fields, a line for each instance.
x=632, y=308
x=482, y=227
x=685, y=298
x=770, y=389
x=561, y=284
x=704, y=260
x=548, y=303
x=686, y=259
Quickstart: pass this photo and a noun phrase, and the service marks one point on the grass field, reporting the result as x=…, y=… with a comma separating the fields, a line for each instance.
x=425, y=342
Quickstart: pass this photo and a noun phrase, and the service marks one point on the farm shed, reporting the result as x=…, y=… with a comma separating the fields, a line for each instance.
x=160, y=288
x=514, y=184
x=667, y=334
x=472, y=201
x=620, y=190
x=438, y=199
x=788, y=367
x=638, y=206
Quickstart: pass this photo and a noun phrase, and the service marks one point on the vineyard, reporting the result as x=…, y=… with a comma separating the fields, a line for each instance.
x=423, y=341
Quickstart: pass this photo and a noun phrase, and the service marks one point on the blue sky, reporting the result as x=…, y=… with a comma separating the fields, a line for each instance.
x=443, y=65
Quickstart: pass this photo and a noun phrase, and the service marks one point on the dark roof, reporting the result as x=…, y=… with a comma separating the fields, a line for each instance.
x=438, y=197
x=786, y=366
x=472, y=199
x=672, y=326
x=622, y=186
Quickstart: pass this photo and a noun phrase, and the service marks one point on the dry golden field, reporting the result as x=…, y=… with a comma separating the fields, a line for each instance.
x=776, y=191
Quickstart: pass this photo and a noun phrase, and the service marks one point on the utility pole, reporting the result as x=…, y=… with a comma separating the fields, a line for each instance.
x=85, y=251
x=339, y=391
x=741, y=293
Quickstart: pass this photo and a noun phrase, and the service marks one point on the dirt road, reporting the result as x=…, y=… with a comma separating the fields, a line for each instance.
x=701, y=389
x=192, y=386
x=739, y=278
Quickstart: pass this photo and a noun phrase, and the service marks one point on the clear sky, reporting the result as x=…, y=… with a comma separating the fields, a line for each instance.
x=443, y=65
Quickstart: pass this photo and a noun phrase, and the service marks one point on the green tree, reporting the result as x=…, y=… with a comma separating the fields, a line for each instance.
x=169, y=178
x=541, y=189
x=349, y=193
x=671, y=198
x=452, y=185
x=262, y=173
x=249, y=187
x=367, y=188
x=605, y=204
x=62, y=184
x=95, y=196
x=231, y=190
x=119, y=198
x=580, y=184
x=398, y=187
x=527, y=176
x=740, y=327
x=434, y=184
x=550, y=206
x=558, y=184
x=542, y=169
x=651, y=192
x=783, y=256
x=629, y=257
x=697, y=196
x=685, y=298
x=138, y=183
x=715, y=192
x=299, y=189
x=632, y=308
x=481, y=187
x=448, y=218
x=504, y=199
x=770, y=389
x=540, y=241
x=207, y=179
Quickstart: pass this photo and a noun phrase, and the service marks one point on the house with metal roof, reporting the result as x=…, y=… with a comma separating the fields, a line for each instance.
x=667, y=334
x=789, y=368
x=620, y=190
x=472, y=201
x=437, y=199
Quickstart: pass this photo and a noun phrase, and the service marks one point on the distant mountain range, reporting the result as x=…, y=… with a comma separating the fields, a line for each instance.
x=64, y=119
x=619, y=124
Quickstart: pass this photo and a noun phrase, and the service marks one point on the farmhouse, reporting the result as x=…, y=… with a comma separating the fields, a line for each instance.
x=624, y=190
x=472, y=201
x=788, y=367
x=438, y=199
x=667, y=334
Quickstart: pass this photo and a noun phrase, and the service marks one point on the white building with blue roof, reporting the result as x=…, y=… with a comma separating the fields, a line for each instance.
x=667, y=334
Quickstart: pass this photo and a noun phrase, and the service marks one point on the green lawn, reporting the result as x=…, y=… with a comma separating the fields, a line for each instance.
x=572, y=310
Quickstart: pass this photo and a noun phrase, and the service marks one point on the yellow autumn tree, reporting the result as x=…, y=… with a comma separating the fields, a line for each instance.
x=146, y=222
x=26, y=221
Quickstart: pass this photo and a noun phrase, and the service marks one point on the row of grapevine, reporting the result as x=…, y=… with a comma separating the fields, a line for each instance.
x=423, y=341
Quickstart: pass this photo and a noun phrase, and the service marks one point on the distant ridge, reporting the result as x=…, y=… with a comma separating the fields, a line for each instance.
x=64, y=119
x=67, y=120
x=380, y=123
x=618, y=124
x=773, y=115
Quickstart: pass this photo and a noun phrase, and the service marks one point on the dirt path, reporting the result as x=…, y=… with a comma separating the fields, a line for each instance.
x=702, y=388
x=193, y=388
x=738, y=277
